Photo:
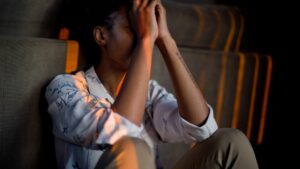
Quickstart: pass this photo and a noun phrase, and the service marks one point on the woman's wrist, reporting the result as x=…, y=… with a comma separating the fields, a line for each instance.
x=162, y=42
x=145, y=42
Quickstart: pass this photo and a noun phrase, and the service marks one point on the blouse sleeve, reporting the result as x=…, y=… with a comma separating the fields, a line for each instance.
x=168, y=123
x=83, y=119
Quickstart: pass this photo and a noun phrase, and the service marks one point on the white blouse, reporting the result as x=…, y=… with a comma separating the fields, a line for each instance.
x=83, y=122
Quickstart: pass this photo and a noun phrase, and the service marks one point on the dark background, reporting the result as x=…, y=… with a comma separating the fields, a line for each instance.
x=270, y=28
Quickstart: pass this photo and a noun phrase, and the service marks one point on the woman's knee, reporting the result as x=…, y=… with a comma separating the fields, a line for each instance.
x=227, y=137
x=127, y=151
x=234, y=143
x=224, y=149
x=230, y=135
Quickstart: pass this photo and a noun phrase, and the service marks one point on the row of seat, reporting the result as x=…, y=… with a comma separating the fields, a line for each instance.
x=235, y=84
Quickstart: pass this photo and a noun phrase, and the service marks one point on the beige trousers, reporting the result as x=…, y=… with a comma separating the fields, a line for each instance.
x=225, y=149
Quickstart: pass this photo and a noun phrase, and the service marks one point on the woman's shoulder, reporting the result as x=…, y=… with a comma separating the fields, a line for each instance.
x=78, y=76
x=76, y=79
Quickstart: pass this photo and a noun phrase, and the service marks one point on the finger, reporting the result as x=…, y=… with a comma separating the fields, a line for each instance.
x=152, y=4
x=160, y=8
x=136, y=4
x=144, y=3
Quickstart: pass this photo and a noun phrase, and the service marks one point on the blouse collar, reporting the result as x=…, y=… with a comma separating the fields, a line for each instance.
x=95, y=86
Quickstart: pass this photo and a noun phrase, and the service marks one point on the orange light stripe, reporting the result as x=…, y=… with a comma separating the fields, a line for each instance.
x=253, y=96
x=220, y=97
x=120, y=85
x=231, y=32
x=238, y=92
x=149, y=55
x=201, y=23
x=72, y=56
x=241, y=32
x=221, y=88
x=265, y=100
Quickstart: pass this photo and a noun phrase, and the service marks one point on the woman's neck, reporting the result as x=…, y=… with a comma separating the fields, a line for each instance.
x=112, y=79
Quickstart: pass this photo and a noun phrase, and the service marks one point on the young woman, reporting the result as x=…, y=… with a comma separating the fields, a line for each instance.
x=113, y=115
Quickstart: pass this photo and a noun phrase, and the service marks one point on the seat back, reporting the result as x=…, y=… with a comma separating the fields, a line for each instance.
x=212, y=27
x=236, y=85
x=26, y=65
x=31, y=18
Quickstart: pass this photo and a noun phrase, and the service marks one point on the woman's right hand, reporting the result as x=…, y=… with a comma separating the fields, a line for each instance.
x=143, y=20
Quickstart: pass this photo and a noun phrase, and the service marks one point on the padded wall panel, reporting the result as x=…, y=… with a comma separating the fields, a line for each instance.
x=205, y=26
x=247, y=91
x=261, y=98
x=26, y=66
x=33, y=18
x=235, y=84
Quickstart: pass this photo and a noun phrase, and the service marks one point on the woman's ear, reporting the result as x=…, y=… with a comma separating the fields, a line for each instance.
x=99, y=35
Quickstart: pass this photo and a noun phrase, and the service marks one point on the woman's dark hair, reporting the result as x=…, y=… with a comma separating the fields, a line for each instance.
x=82, y=16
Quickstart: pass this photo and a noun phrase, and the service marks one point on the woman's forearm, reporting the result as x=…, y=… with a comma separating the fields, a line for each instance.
x=191, y=103
x=131, y=99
